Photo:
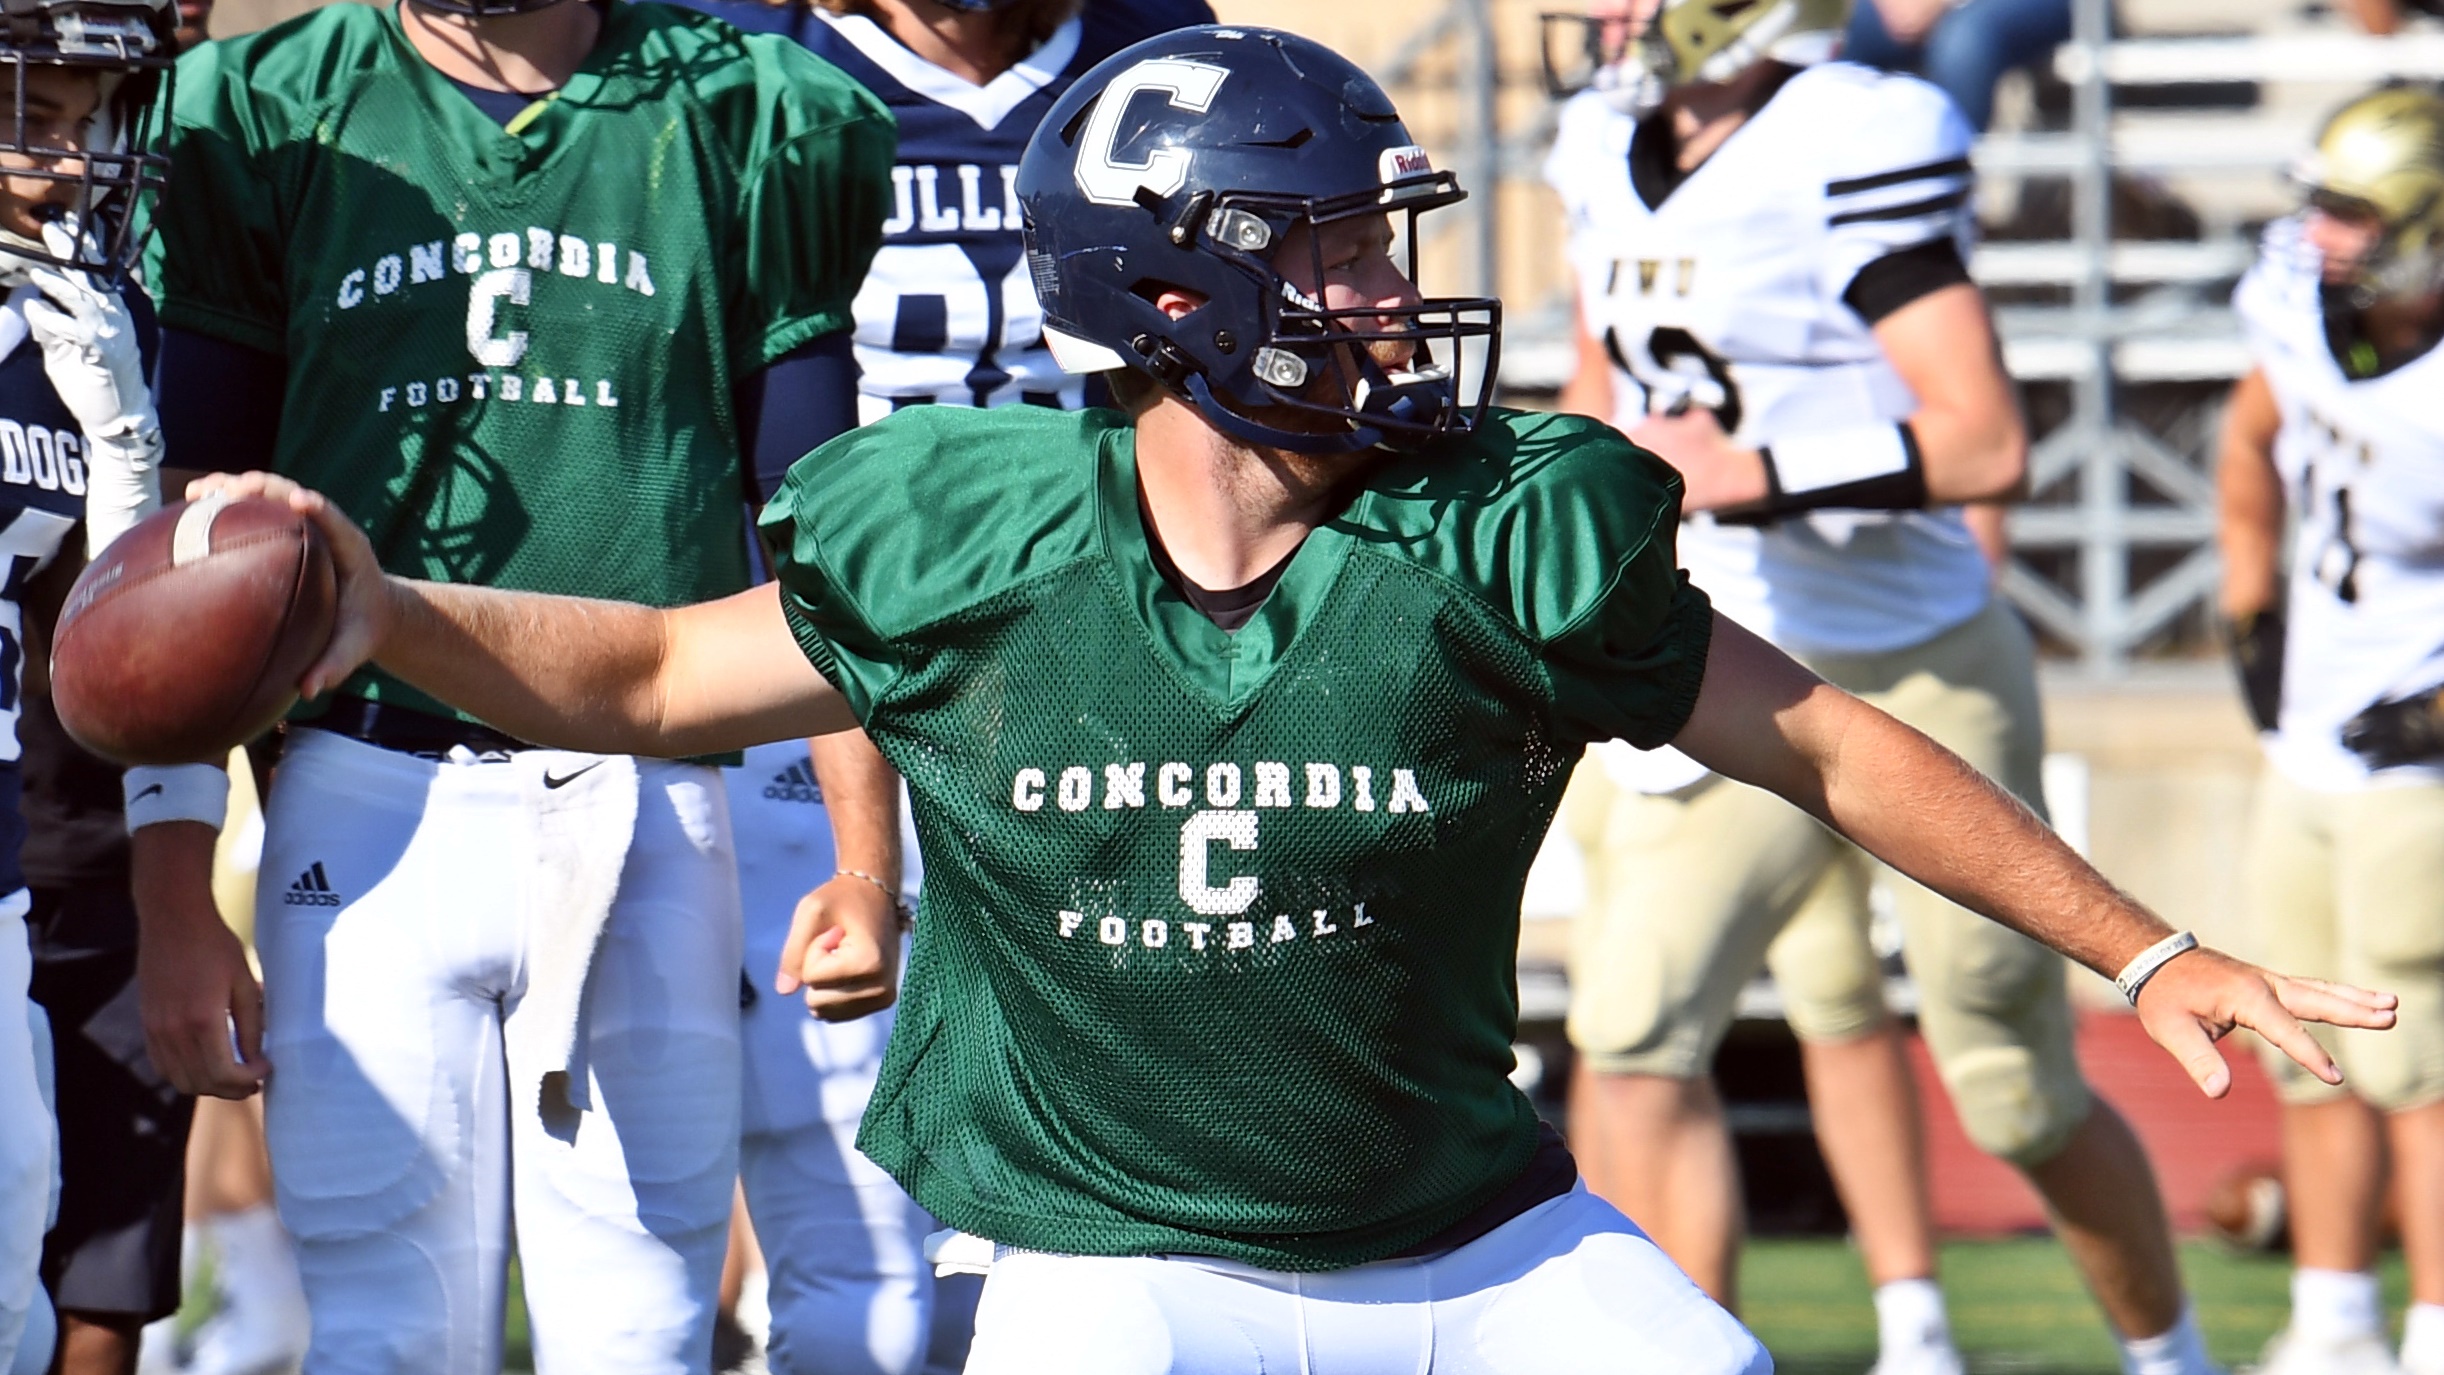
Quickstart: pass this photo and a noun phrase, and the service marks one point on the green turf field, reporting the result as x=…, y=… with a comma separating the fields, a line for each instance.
x=2017, y=1308
x=2016, y=1305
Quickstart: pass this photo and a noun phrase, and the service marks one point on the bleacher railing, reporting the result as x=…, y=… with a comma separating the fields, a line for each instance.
x=2118, y=545
x=2137, y=316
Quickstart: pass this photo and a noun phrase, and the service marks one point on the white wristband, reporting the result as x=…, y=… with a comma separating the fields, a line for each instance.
x=176, y=792
x=1807, y=463
x=122, y=483
x=2134, y=975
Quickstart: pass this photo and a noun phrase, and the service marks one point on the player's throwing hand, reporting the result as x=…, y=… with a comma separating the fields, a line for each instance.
x=363, y=614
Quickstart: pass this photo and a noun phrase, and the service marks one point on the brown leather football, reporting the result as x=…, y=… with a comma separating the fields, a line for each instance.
x=187, y=636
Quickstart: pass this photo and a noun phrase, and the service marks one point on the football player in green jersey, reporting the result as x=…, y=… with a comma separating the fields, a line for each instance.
x=530, y=287
x=1233, y=723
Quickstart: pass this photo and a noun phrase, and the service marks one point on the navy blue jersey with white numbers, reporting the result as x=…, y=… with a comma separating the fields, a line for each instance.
x=947, y=315
x=42, y=497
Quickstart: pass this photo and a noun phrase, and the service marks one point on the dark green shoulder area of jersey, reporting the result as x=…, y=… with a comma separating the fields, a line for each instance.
x=296, y=64
x=1538, y=516
x=758, y=88
x=934, y=509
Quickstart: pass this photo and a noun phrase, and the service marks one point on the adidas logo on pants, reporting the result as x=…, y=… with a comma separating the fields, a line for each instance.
x=312, y=889
x=795, y=784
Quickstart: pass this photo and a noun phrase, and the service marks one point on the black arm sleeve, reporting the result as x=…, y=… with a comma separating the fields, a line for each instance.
x=1902, y=276
x=807, y=396
x=219, y=403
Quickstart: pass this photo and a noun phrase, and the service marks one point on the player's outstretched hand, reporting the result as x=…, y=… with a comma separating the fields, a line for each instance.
x=2198, y=998
x=363, y=617
x=843, y=950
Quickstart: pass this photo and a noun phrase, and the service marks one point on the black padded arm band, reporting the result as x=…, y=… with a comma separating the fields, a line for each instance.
x=1903, y=276
x=1901, y=490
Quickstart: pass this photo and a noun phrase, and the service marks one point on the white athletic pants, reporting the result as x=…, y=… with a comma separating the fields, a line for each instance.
x=392, y=917
x=28, y=1138
x=1569, y=1287
x=843, y=1244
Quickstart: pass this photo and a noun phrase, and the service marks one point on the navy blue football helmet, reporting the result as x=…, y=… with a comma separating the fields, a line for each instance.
x=1184, y=162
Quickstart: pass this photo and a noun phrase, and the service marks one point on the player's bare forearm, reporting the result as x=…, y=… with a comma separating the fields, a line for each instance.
x=2249, y=500
x=1589, y=390
x=201, y=1006
x=610, y=677
x=844, y=940
x=1971, y=439
x=1906, y=800
x=566, y=672
x=1764, y=720
x=861, y=794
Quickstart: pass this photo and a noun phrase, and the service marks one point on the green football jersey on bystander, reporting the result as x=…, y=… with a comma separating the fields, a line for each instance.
x=511, y=353
x=1219, y=929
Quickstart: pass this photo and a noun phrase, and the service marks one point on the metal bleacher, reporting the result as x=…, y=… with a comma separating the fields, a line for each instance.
x=2117, y=547
x=2124, y=344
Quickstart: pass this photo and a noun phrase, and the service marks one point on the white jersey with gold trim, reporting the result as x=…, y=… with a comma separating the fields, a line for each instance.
x=2362, y=464
x=1728, y=293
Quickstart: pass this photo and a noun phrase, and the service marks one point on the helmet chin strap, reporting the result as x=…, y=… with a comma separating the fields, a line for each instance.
x=1417, y=398
x=1238, y=426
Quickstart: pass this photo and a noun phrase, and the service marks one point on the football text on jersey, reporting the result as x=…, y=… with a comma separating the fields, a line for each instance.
x=501, y=272
x=1225, y=806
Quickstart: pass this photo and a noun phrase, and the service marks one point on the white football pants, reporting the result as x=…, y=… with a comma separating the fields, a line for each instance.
x=1569, y=1287
x=29, y=1140
x=843, y=1244
x=393, y=917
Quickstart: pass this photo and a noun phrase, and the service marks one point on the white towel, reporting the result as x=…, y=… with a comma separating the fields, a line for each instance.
x=960, y=1253
x=583, y=808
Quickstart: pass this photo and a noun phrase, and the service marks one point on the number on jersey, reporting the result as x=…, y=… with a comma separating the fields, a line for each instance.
x=1678, y=371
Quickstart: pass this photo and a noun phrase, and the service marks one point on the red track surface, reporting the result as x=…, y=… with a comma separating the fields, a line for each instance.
x=2194, y=1142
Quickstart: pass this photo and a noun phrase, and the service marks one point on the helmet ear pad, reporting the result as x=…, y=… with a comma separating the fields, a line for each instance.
x=1121, y=283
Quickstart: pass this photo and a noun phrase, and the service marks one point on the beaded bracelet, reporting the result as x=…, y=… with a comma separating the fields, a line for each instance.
x=907, y=914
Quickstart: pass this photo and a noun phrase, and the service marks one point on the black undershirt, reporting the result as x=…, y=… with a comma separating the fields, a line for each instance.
x=1550, y=1173
x=1880, y=288
x=2346, y=333
x=1230, y=608
x=499, y=106
x=1654, y=150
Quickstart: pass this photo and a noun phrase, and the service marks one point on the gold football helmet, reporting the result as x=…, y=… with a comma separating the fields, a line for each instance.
x=2381, y=158
x=1641, y=49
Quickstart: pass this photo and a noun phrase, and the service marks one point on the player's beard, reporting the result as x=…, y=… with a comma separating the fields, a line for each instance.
x=1334, y=387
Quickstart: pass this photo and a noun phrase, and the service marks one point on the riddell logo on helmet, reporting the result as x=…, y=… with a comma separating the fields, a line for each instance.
x=1400, y=164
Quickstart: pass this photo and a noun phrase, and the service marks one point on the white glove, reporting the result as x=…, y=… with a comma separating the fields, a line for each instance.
x=89, y=352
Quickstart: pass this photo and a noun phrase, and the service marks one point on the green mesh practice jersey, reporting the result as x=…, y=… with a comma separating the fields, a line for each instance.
x=511, y=356
x=1219, y=929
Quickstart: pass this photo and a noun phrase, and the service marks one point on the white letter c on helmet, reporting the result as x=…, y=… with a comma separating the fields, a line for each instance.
x=1188, y=85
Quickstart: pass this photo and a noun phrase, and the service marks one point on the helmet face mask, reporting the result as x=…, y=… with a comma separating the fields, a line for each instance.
x=2379, y=164
x=125, y=48
x=1319, y=365
x=1610, y=51
x=1639, y=58
x=1189, y=163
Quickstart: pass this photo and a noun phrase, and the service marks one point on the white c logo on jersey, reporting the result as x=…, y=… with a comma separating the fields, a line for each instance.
x=1235, y=829
x=483, y=300
x=1189, y=86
